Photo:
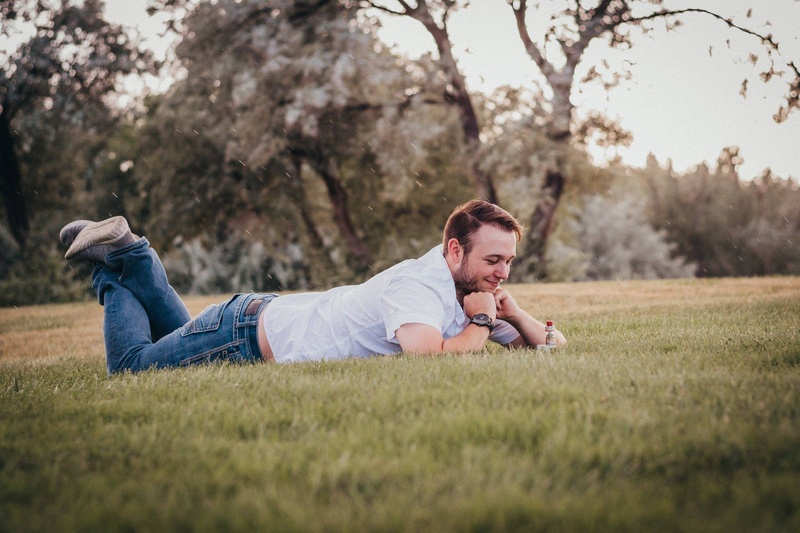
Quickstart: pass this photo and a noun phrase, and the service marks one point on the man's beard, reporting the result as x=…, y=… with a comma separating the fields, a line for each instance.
x=465, y=283
x=464, y=287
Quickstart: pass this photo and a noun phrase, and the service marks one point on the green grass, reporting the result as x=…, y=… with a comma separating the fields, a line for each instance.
x=676, y=407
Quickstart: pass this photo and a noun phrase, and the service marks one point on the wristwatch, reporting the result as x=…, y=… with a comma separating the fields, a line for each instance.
x=482, y=319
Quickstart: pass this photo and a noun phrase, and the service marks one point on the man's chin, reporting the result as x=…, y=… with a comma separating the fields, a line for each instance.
x=467, y=288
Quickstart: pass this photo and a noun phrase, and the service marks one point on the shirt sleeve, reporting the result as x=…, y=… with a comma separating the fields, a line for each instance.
x=407, y=301
x=503, y=332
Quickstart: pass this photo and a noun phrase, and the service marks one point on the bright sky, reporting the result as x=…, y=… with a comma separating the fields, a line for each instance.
x=681, y=104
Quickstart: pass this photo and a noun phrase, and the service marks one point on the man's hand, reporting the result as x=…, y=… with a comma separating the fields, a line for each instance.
x=507, y=308
x=531, y=331
x=480, y=302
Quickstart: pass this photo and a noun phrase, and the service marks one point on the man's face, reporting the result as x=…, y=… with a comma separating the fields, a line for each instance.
x=488, y=263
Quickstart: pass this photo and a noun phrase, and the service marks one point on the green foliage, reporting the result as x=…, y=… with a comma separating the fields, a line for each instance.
x=727, y=226
x=73, y=57
x=33, y=280
x=38, y=274
x=178, y=175
x=55, y=120
x=236, y=264
x=299, y=123
x=296, y=151
x=61, y=184
x=519, y=154
x=674, y=407
x=613, y=240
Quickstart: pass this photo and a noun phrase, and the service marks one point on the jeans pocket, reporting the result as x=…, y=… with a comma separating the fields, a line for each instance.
x=231, y=353
x=209, y=320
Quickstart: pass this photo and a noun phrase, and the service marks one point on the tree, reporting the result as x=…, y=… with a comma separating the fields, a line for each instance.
x=559, y=56
x=615, y=241
x=434, y=14
x=262, y=79
x=309, y=114
x=572, y=29
x=726, y=226
x=73, y=57
x=58, y=162
x=773, y=233
x=276, y=78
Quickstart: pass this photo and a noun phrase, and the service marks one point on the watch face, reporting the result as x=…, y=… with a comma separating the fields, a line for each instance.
x=482, y=319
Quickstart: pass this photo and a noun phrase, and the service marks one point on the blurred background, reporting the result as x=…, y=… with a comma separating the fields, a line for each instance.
x=286, y=145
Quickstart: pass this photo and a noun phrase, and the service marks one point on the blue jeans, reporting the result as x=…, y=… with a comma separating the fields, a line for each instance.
x=147, y=325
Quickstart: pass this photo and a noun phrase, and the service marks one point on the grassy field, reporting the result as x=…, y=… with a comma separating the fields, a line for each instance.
x=676, y=407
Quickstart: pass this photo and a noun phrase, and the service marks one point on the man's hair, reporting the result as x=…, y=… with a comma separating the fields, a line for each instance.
x=468, y=218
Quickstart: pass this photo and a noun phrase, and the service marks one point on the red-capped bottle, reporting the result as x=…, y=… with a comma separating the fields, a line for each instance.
x=550, y=334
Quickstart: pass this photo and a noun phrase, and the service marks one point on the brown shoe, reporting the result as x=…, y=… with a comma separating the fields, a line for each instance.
x=98, y=239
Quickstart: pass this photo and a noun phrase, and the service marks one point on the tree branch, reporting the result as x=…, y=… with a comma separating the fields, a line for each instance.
x=530, y=47
x=385, y=9
x=792, y=98
x=667, y=13
x=601, y=9
x=407, y=7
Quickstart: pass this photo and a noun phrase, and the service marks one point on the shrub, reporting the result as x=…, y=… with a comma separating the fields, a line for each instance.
x=612, y=240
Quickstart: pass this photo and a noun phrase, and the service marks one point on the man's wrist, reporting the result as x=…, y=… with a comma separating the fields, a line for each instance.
x=516, y=319
x=482, y=320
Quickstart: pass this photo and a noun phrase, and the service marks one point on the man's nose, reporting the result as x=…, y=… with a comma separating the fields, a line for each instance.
x=502, y=270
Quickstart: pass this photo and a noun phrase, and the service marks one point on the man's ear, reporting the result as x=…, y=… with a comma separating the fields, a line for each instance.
x=454, y=250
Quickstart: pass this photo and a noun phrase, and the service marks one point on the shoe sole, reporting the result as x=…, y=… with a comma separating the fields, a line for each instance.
x=106, y=231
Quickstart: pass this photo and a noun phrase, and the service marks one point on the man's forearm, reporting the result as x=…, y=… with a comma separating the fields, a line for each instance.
x=422, y=338
x=532, y=331
x=473, y=338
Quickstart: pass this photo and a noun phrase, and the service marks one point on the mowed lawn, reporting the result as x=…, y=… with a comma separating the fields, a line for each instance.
x=675, y=407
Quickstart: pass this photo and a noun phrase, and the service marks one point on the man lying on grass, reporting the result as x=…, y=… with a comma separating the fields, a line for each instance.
x=448, y=300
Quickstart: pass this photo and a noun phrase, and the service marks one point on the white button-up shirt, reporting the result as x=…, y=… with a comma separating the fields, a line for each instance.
x=361, y=320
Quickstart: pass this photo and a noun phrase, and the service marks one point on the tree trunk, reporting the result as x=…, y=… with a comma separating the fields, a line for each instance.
x=299, y=194
x=360, y=257
x=11, y=184
x=560, y=134
x=483, y=180
x=532, y=264
x=592, y=23
x=458, y=95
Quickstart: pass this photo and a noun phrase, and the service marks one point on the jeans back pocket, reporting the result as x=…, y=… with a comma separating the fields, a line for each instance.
x=209, y=320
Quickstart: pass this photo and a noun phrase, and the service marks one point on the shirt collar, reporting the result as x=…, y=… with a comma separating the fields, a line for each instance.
x=444, y=279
